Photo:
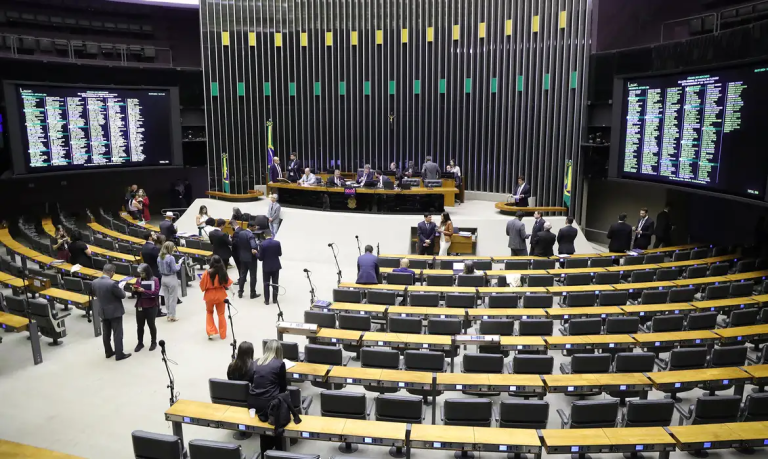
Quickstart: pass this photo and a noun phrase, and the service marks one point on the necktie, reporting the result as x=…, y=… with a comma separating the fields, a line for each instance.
x=279, y=172
x=338, y=182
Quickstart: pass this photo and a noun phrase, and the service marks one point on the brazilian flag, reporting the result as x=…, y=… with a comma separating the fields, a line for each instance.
x=567, y=184
x=225, y=172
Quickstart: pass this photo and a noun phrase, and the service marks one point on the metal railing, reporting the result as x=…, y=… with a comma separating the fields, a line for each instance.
x=713, y=20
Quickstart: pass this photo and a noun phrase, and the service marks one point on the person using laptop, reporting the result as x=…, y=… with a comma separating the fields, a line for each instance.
x=382, y=181
x=336, y=179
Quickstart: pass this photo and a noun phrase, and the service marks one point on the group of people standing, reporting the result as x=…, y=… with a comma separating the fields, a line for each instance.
x=622, y=236
x=137, y=203
x=427, y=232
x=542, y=240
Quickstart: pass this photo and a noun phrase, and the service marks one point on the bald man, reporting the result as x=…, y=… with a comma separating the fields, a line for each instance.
x=545, y=242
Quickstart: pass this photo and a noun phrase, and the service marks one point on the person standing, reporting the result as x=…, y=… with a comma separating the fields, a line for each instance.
x=273, y=214
x=144, y=205
x=214, y=284
x=222, y=244
x=236, y=228
x=430, y=170
x=538, y=225
x=517, y=235
x=643, y=230
x=426, y=231
x=134, y=207
x=294, y=168
x=275, y=171
x=62, y=241
x=545, y=242
x=522, y=192
x=566, y=238
x=248, y=251
x=200, y=218
x=269, y=254
x=368, y=267
x=446, y=232
x=169, y=285
x=410, y=170
x=147, y=306
x=663, y=229
x=167, y=228
x=110, y=298
x=620, y=235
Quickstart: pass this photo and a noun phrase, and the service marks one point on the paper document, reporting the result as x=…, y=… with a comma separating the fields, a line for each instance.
x=288, y=364
x=75, y=268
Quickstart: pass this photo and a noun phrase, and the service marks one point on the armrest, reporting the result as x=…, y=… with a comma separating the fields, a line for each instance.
x=622, y=419
x=683, y=415
x=742, y=411
x=646, y=327
x=461, y=366
x=495, y=413
x=345, y=360
x=442, y=413
x=306, y=402
x=62, y=315
x=369, y=408
x=565, y=368
x=565, y=420
x=423, y=411
x=508, y=366
x=563, y=331
x=662, y=363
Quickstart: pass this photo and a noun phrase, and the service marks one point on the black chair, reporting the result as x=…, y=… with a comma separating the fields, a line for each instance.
x=741, y=317
x=576, y=327
x=649, y=413
x=523, y=414
x=276, y=454
x=576, y=279
x=470, y=280
x=445, y=327
x=613, y=298
x=460, y=300
x=702, y=321
x=418, y=263
x=483, y=265
x=580, y=299
x=440, y=280
x=388, y=359
x=522, y=364
x=543, y=263
x=99, y=263
x=541, y=280
x=714, y=292
x=225, y=392
x=632, y=261
x=740, y=289
x=504, y=300
x=718, y=269
x=587, y=364
x=424, y=361
x=467, y=412
x=399, y=408
x=326, y=355
x=718, y=409
x=607, y=278
x=654, y=296
x=642, y=276
x=385, y=262
x=321, y=319
x=148, y=445
x=516, y=265
x=667, y=323
x=208, y=449
x=631, y=362
x=404, y=325
x=384, y=297
x=358, y=322
x=482, y=363
x=622, y=325
x=122, y=268
x=290, y=350
x=745, y=266
x=424, y=299
x=16, y=306
x=602, y=262
x=692, y=358
x=576, y=263
x=681, y=256
x=502, y=327
x=682, y=295
x=400, y=279
x=721, y=357
x=653, y=259
x=667, y=274
x=535, y=327
x=696, y=272
x=340, y=404
x=50, y=322
x=345, y=295
x=537, y=300
x=590, y=414
x=698, y=254
x=755, y=408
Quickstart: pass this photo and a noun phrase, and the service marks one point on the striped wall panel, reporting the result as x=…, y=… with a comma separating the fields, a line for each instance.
x=497, y=85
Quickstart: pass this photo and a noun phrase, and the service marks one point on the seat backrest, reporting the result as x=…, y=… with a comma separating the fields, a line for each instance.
x=470, y=280
x=541, y=280
x=578, y=279
x=424, y=299
x=337, y=403
x=503, y=327
x=385, y=262
x=400, y=279
x=225, y=392
x=728, y=356
x=537, y=300
x=695, y=272
x=613, y=298
x=649, y=413
x=483, y=265
x=122, y=268
x=209, y=449
x=654, y=296
x=418, y=263
x=460, y=300
x=702, y=321
x=718, y=269
x=328, y=355
x=716, y=409
x=756, y=407
x=382, y=297
x=543, y=263
x=642, y=276
x=687, y=358
x=361, y=322
x=682, y=294
x=399, y=406
x=594, y=413
x=371, y=357
x=622, y=325
x=276, y=454
x=592, y=326
x=290, y=349
x=684, y=255
x=653, y=258
x=717, y=292
x=503, y=300
x=148, y=445
x=482, y=363
x=424, y=361
x=670, y=322
x=440, y=280
x=535, y=327
x=404, y=325
x=591, y=363
x=321, y=318
x=98, y=262
x=634, y=362
x=576, y=263
x=533, y=364
x=601, y=262
x=698, y=254
x=577, y=299
x=632, y=261
x=73, y=284
x=739, y=289
x=667, y=274
x=468, y=409
x=745, y=266
x=523, y=413
x=516, y=265
x=444, y=327
x=346, y=295
x=40, y=310
x=607, y=278
x=742, y=317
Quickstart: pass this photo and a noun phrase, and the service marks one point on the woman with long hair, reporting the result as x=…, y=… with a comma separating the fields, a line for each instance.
x=268, y=380
x=144, y=205
x=169, y=285
x=62, y=240
x=239, y=369
x=214, y=284
x=446, y=231
x=147, y=306
x=79, y=253
x=200, y=218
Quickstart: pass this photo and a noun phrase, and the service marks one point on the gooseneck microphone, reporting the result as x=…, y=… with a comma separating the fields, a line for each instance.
x=330, y=245
x=162, y=346
x=306, y=270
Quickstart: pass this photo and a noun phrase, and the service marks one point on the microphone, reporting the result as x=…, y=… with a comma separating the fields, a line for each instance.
x=226, y=300
x=357, y=237
x=306, y=270
x=162, y=346
x=330, y=245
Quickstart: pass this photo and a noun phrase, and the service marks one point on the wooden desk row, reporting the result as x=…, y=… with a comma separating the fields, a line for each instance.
x=13, y=323
x=194, y=253
x=13, y=450
x=104, y=253
x=488, y=439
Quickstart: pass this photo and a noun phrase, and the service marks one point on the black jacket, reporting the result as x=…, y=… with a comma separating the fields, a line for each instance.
x=222, y=244
x=168, y=230
x=565, y=238
x=663, y=227
x=538, y=226
x=620, y=234
x=279, y=413
x=149, y=254
x=544, y=244
x=643, y=240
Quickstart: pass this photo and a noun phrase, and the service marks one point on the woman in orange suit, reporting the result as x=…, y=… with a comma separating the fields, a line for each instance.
x=214, y=283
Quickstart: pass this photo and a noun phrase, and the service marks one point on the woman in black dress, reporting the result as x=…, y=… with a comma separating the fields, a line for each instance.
x=268, y=380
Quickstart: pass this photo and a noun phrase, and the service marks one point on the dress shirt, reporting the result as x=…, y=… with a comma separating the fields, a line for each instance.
x=308, y=179
x=279, y=171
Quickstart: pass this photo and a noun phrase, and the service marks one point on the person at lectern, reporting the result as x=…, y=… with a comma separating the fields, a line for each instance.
x=365, y=175
x=663, y=230
x=308, y=179
x=294, y=168
x=430, y=170
x=275, y=171
x=522, y=192
x=367, y=267
x=336, y=179
x=620, y=235
x=545, y=241
x=643, y=230
x=426, y=232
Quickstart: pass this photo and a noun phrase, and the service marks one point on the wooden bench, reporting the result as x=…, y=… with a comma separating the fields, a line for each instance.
x=252, y=195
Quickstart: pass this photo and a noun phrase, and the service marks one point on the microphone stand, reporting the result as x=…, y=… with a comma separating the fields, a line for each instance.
x=171, y=381
x=359, y=252
x=280, y=317
x=311, y=288
x=232, y=329
x=338, y=268
x=377, y=249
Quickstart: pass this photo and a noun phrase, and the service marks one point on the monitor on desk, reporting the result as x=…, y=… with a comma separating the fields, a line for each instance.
x=413, y=182
x=433, y=183
x=370, y=184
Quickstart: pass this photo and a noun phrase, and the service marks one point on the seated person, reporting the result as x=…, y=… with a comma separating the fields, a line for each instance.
x=210, y=225
x=398, y=173
x=365, y=175
x=336, y=179
x=308, y=179
x=404, y=263
x=469, y=267
x=381, y=179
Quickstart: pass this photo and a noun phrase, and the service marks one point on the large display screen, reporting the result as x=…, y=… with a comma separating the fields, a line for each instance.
x=706, y=130
x=64, y=128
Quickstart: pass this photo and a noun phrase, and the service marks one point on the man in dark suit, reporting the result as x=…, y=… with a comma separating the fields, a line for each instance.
x=398, y=173
x=545, y=242
x=222, y=244
x=167, y=228
x=410, y=170
x=663, y=230
x=643, y=230
x=430, y=170
x=295, y=169
x=522, y=192
x=426, y=232
x=367, y=267
x=275, y=171
x=538, y=225
x=620, y=235
x=248, y=253
x=236, y=228
x=269, y=254
x=364, y=175
x=149, y=253
x=565, y=238
x=381, y=179
x=336, y=179
x=110, y=296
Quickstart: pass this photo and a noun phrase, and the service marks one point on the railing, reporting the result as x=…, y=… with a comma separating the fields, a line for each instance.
x=711, y=23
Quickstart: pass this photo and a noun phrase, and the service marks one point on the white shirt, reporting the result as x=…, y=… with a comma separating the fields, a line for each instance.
x=279, y=171
x=520, y=189
x=456, y=171
x=640, y=225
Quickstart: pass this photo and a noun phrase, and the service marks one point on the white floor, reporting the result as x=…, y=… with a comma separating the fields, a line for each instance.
x=79, y=403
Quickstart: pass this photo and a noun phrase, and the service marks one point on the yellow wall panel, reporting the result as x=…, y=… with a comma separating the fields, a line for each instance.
x=405, y=35
x=535, y=25
x=251, y=39
x=304, y=39
x=430, y=34
x=456, y=31
x=481, y=30
x=225, y=38
x=278, y=39
x=353, y=37
x=328, y=38
x=563, y=19
x=379, y=37
x=508, y=27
